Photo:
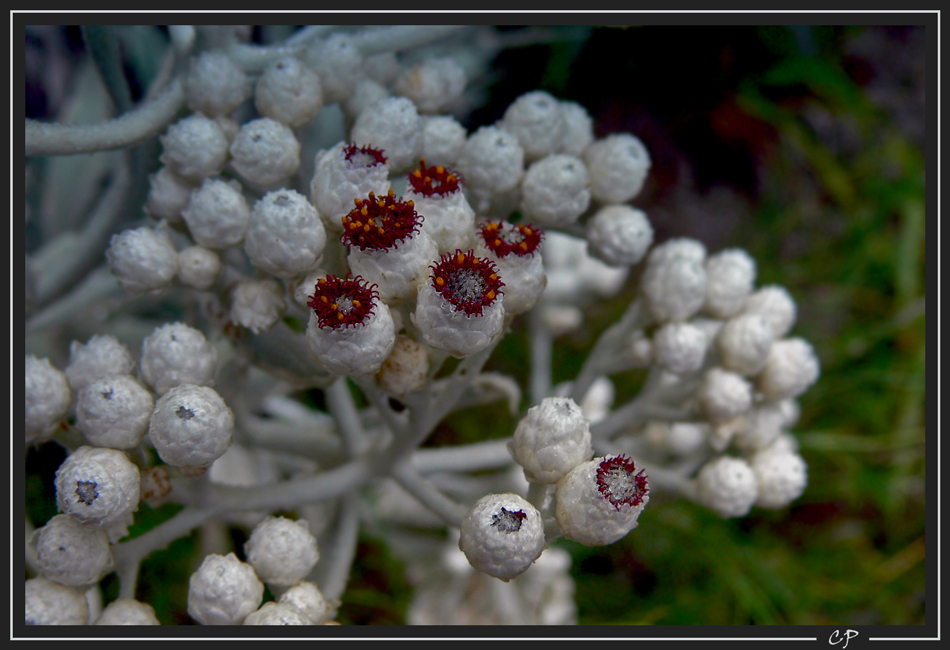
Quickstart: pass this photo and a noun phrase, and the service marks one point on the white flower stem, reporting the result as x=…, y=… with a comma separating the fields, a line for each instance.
x=541, y=354
x=607, y=349
x=491, y=454
x=343, y=408
x=428, y=494
x=343, y=552
x=393, y=38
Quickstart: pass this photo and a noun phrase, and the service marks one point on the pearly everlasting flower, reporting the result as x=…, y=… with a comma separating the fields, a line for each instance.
x=551, y=439
x=433, y=85
x=289, y=92
x=50, y=603
x=679, y=347
x=790, y=369
x=257, y=304
x=535, y=118
x=639, y=350
x=195, y=148
x=436, y=194
x=307, y=598
x=223, y=591
x=47, y=399
x=442, y=139
x=265, y=152
x=143, y=259
x=70, y=553
x=338, y=61
x=387, y=246
x=619, y=235
x=191, y=426
x=763, y=425
x=405, y=369
x=217, y=214
x=114, y=412
x=502, y=535
x=382, y=68
x=744, y=343
x=516, y=251
x=492, y=163
x=555, y=190
x=101, y=356
x=599, y=502
x=351, y=331
x=198, y=267
x=168, y=195
x=394, y=125
x=724, y=395
x=674, y=280
x=730, y=278
x=727, y=486
x=282, y=551
x=127, y=611
x=98, y=486
x=459, y=308
x=781, y=477
x=285, y=236
x=618, y=166
x=177, y=354
x=215, y=85
x=573, y=275
x=578, y=129
x=366, y=93
x=678, y=438
x=343, y=174
x=775, y=305
x=272, y=613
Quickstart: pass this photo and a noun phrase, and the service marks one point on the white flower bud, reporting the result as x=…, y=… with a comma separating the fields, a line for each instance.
x=350, y=331
x=790, y=369
x=338, y=62
x=406, y=368
x=554, y=190
x=578, y=129
x=393, y=125
x=491, y=161
x=600, y=501
x=47, y=399
x=573, y=275
x=223, y=591
x=535, y=118
x=101, y=356
x=70, y=553
x=516, y=251
x=433, y=85
x=198, y=267
x=215, y=85
x=763, y=425
x=168, y=195
x=727, y=486
x=343, y=174
x=777, y=307
x=114, y=412
x=730, y=278
x=619, y=235
x=285, y=236
x=143, y=259
x=217, y=214
x=308, y=599
x=289, y=92
x=50, y=603
x=674, y=281
x=127, y=611
x=618, y=166
x=98, y=486
x=551, y=439
x=744, y=343
x=191, y=426
x=282, y=551
x=442, y=139
x=502, y=535
x=678, y=438
x=366, y=93
x=724, y=395
x=195, y=148
x=177, y=354
x=382, y=68
x=257, y=304
x=598, y=400
x=640, y=350
x=265, y=152
x=679, y=347
x=272, y=613
x=781, y=476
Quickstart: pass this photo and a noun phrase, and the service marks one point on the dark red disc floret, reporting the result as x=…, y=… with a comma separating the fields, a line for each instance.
x=365, y=156
x=343, y=302
x=380, y=222
x=469, y=283
x=434, y=181
x=504, y=239
x=620, y=483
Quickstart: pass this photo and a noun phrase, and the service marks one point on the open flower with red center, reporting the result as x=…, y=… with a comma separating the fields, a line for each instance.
x=344, y=173
x=437, y=194
x=516, y=250
x=459, y=309
x=599, y=502
x=350, y=331
x=386, y=244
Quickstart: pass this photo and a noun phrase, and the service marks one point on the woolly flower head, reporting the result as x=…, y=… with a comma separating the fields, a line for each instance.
x=282, y=551
x=552, y=439
x=98, y=486
x=223, y=591
x=502, y=535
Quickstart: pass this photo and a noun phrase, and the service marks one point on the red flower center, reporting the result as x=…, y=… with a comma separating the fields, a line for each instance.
x=428, y=181
x=469, y=283
x=620, y=483
x=379, y=223
x=504, y=239
x=362, y=157
x=342, y=302
x=508, y=521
